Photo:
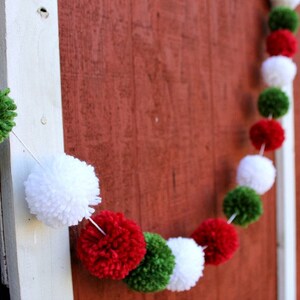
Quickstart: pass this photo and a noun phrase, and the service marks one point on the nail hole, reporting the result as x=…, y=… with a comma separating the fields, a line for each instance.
x=43, y=12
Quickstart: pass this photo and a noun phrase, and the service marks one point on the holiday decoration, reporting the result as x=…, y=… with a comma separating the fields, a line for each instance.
x=282, y=17
x=7, y=114
x=268, y=134
x=244, y=203
x=219, y=238
x=189, y=264
x=278, y=71
x=61, y=190
x=289, y=3
x=114, y=254
x=273, y=102
x=281, y=42
x=155, y=270
x=256, y=172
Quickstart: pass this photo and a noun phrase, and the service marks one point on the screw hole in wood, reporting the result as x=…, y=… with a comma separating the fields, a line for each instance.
x=43, y=12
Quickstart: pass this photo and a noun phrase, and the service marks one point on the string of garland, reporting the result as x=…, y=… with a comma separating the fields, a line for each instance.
x=61, y=190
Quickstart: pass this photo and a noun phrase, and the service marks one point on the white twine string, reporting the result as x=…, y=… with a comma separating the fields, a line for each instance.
x=262, y=149
x=35, y=158
x=27, y=149
x=232, y=218
x=97, y=226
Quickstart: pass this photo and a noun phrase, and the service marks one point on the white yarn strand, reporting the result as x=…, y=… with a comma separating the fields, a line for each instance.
x=230, y=220
x=97, y=226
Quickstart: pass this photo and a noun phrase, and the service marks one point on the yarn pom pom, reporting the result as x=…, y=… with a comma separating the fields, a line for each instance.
x=244, y=203
x=7, y=114
x=60, y=191
x=273, y=102
x=189, y=264
x=278, y=71
x=256, y=172
x=281, y=42
x=219, y=238
x=282, y=17
x=289, y=3
x=267, y=132
x=155, y=270
x=115, y=254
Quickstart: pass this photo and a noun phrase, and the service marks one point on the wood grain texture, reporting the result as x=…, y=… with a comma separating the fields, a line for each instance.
x=159, y=96
x=297, y=146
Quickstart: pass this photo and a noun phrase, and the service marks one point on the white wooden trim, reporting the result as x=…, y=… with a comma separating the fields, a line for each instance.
x=286, y=209
x=38, y=256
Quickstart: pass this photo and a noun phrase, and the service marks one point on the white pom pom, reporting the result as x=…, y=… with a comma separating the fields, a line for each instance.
x=256, y=172
x=289, y=3
x=189, y=264
x=278, y=71
x=60, y=191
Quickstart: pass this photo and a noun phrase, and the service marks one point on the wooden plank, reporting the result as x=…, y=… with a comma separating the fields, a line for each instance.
x=38, y=256
x=159, y=96
x=286, y=208
x=297, y=159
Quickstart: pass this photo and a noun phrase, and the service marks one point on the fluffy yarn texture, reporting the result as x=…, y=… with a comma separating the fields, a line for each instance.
x=256, y=172
x=7, y=114
x=115, y=254
x=267, y=132
x=61, y=190
x=220, y=239
x=278, y=71
x=282, y=17
x=273, y=102
x=245, y=203
x=189, y=264
x=289, y=3
x=281, y=42
x=155, y=270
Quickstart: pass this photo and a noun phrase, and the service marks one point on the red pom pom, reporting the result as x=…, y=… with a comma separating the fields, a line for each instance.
x=220, y=239
x=115, y=254
x=268, y=132
x=281, y=42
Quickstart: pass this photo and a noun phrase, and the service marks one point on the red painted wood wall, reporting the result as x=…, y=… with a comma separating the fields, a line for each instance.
x=159, y=96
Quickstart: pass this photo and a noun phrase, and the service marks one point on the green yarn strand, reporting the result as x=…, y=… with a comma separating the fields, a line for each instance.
x=154, y=272
x=7, y=114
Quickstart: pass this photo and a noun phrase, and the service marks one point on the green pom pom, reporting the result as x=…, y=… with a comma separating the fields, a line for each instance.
x=273, y=101
x=282, y=17
x=154, y=272
x=244, y=202
x=7, y=114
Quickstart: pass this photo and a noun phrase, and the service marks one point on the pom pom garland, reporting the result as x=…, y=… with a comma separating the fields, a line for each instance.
x=245, y=203
x=268, y=133
x=7, y=114
x=278, y=71
x=273, y=102
x=289, y=3
x=219, y=238
x=282, y=17
x=154, y=272
x=281, y=42
x=189, y=264
x=61, y=191
x=256, y=172
x=115, y=254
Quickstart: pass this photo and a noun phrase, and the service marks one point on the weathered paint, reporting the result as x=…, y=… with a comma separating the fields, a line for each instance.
x=159, y=96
